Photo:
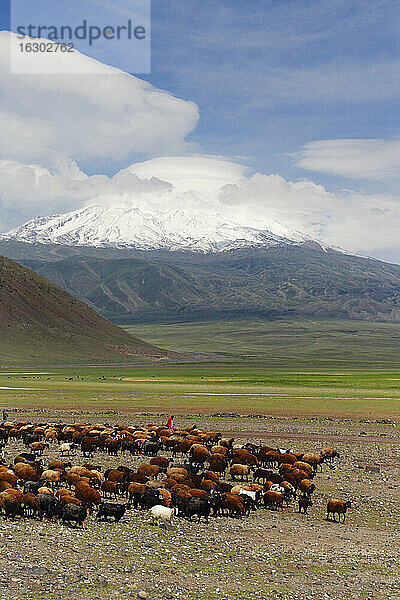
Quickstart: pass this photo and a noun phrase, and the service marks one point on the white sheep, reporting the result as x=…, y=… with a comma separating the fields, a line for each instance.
x=162, y=513
x=277, y=488
x=66, y=448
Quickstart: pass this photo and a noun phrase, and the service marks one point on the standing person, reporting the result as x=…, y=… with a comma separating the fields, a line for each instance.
x=5, y=415
x=170, y=422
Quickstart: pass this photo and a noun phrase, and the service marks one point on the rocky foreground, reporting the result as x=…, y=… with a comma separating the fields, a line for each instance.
x=267, y=555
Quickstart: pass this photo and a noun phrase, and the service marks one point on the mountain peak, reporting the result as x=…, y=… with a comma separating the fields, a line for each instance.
x=133, y=227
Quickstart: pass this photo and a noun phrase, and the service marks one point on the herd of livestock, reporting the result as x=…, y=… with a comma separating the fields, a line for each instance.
x=203, y=474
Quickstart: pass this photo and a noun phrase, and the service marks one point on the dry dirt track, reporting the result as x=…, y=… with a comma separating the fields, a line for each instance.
x=268, y=555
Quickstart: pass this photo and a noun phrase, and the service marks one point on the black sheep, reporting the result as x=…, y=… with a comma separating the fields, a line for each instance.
x=72, y=512
x=109, y=510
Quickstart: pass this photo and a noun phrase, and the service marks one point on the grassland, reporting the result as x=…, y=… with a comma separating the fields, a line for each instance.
x=270, y=368
x=210, y=388
x=285, y=343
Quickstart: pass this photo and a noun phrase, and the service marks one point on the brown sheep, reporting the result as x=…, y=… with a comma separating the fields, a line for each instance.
x=177, y=471
x=208, y=485
x=233, y=505
x=306, y=467
x=307, y=487
x=39, y=447
x=166, y=497
x=219, y=450
x=161, y=462
x=199, y=454
x=109, y=488
x=218, y=463
x=273, y=500
x=298, y=475
x=30, y=504
x=244, y=457
x=136, y=489
x=226, y=442
x=70, y=499
x=337, y=507
x=329, y=454
x=238, y=471
x=212, y=477
x=197, y=493
x=151, y=471
x=115, y=475
x=9, y=476
x=87, y=495
x=25, y=472
x=304, y=503
x=4, y=485
x=58, y=464
x=52, y=476
x=312, y=459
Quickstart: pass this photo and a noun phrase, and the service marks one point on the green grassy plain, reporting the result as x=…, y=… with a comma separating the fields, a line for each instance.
x=303, y=368
x=210, y=388
x=285, y=343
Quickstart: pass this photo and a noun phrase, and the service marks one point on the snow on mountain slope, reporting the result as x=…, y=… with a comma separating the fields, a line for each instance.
x=97, y=225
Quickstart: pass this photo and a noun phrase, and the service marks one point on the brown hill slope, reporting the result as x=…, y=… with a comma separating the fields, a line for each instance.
x=42, y=324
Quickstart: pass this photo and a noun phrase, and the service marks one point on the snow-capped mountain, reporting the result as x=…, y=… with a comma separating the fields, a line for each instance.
x=121, y=227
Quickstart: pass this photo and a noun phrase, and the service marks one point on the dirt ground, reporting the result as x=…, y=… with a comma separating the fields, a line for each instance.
x=267, y=555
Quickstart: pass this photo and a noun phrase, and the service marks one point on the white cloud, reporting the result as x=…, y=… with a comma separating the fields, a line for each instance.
x=29, y=190
x=109, y=116
x=353, y=158
x=364, y=223
x=203, y=174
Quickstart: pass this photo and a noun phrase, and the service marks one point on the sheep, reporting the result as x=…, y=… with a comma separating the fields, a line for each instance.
x=161, y=462
x=87, y=494
x=314, y=460
x=199, y=454
x=233, y=504
x=30, y=504
x=59, y=464
x=39, y=447
x=25, y=472
x=337, y=507
x=307, y=487
x=110, y=510
x=162, y=513
x=304, y=466
x=67, y=448
x=266, y=475
x=173, y=471
x=151, y=471
x=329, y=454
x=273, y=499
x=238, y=471
x=218, y=463
x=71, y=512
x=304, y=503
x=109, y=488
x=244, y=457
x=195, y=506
x=135, y=491
x=51, y=476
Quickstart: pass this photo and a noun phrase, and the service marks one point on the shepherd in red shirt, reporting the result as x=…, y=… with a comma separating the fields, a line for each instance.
x=170, y=422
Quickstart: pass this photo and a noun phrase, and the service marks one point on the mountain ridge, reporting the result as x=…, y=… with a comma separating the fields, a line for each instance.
x=129, y=286
x=172, y=230
x=42, y=323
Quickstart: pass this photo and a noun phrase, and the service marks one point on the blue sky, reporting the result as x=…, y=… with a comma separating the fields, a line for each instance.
x=271, y=75
x=305, y=89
